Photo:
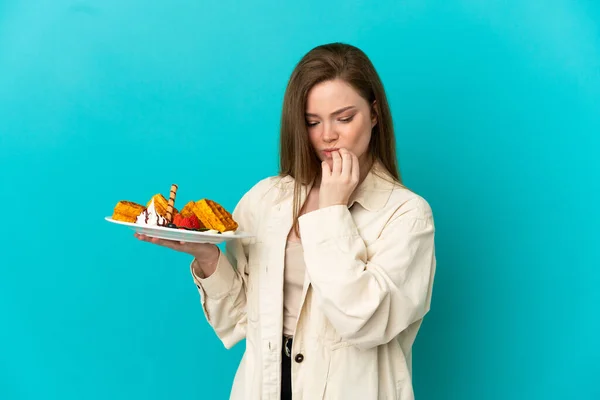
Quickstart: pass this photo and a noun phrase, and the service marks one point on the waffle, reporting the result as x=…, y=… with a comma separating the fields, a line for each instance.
x=127, y=211
x=160, y=204
x=214, y=216
x=188, y=210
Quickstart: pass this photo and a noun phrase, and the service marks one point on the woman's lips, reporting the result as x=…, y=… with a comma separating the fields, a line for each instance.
x=328, y=152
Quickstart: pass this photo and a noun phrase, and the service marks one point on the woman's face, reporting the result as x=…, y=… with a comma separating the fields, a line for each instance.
x=338, y=117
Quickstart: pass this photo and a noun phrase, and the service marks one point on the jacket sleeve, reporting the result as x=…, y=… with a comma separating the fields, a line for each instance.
x=371, y=296
x=223, y=293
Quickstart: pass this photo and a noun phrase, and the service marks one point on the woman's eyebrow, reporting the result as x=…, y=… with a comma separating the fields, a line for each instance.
x=337, y=112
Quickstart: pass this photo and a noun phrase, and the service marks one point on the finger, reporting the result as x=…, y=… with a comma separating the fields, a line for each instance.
x=325, y=170
x=337, y=163
x=160, y=242
x=346, y=163
x=171, y=244
x=355, y=168
x=141, y=236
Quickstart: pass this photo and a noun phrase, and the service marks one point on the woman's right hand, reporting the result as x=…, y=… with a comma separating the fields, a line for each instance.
x=206, y=254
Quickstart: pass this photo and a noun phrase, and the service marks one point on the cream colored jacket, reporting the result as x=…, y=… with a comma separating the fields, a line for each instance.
x=369, y=276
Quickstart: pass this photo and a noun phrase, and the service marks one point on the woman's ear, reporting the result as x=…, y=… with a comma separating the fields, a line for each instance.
x=374, y=114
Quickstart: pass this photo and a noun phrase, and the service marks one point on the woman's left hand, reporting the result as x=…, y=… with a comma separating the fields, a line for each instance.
x=339, y=181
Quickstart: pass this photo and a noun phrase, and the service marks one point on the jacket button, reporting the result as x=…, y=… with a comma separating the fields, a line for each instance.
x=299, y=358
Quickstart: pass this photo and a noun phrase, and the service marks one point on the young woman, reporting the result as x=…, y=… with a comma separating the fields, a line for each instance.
x=332, y=290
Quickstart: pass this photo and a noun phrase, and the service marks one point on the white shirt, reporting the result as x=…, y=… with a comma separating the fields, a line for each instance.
x=294, y=272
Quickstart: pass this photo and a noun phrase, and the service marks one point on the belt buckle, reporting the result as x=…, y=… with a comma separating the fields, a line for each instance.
x=285, y=346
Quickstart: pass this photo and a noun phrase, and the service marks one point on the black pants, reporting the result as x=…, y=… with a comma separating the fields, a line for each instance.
x=286, y=371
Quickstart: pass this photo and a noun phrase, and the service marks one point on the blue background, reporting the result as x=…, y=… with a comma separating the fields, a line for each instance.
x=497, y=110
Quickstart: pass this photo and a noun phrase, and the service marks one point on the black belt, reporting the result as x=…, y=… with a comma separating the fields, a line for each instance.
x=287, y=346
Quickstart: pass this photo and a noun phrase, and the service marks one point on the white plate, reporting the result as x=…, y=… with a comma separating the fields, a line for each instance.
x=162, y=232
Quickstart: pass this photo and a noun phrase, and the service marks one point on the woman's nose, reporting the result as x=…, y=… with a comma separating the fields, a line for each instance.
x=329, y=133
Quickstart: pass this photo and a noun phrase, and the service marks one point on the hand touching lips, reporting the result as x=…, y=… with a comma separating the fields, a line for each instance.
x=339, y=180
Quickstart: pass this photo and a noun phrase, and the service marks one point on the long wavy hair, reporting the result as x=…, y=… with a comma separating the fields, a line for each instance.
x=325, y=63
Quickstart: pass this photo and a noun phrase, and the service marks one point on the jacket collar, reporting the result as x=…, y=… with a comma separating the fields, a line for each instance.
x=372, y=193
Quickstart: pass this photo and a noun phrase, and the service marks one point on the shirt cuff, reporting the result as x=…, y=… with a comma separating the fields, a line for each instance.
x=219, y=283
x=327, y=223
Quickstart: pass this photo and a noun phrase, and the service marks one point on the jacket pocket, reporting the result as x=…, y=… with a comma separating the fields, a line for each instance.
x=326, y=331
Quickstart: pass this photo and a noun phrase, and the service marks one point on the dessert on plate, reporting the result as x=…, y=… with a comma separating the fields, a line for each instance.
x=203, y=215
x=127, y=211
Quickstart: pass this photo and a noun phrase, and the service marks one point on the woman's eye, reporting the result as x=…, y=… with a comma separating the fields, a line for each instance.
x=308, y=123
x=347, y=119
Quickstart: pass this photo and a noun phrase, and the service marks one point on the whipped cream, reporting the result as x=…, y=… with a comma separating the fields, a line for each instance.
x=229, y=233
x=151, y=217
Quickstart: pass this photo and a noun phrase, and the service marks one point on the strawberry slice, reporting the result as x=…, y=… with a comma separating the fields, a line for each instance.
x=190, y=222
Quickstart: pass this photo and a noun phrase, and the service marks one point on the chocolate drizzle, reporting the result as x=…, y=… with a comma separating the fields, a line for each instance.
x=145, y=212
x=173, y=226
